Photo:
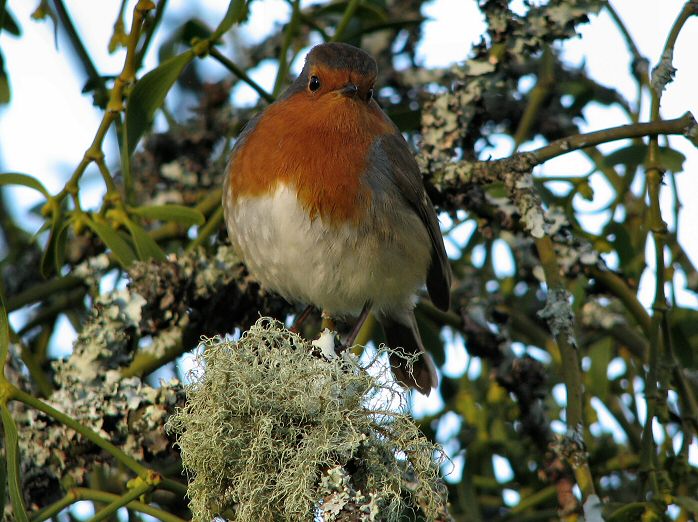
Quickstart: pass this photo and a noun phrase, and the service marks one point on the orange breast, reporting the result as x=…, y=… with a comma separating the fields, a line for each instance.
x=319, y=146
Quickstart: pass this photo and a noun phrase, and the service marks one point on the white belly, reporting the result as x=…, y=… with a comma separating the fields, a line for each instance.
x=337, y=268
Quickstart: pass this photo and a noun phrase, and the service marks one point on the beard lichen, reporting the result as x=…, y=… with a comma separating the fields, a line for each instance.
x=273, y=431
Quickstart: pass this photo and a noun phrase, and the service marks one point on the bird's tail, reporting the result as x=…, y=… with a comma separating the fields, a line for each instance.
x=402, y=333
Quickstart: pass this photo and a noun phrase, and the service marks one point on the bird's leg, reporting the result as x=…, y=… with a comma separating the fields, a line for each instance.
x=301, y=318
x=349, y=341
x=327, y=322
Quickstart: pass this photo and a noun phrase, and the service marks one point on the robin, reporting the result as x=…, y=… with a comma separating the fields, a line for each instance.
x=325, y=203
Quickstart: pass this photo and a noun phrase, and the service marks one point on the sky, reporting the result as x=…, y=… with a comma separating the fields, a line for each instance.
x=49, y=124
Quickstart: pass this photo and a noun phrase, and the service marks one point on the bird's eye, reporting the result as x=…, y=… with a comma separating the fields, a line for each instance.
x=314, y=84
x=369, y=95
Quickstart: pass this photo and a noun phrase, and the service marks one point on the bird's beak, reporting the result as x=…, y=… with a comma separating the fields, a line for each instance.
x=349, y=90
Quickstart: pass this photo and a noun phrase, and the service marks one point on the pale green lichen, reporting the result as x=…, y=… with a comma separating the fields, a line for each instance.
x=664, y=72
x=270, y=431
x=558, y=314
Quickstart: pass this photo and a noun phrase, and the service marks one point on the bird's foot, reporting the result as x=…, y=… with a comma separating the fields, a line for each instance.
x=326, y=343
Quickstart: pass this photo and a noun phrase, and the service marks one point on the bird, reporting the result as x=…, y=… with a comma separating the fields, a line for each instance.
x=325, y=203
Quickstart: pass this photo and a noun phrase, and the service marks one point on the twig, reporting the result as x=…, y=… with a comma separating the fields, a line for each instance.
x=77, y=494
x=661, y=75
x=114, y=106
x=346, y=18
x=237, y=71
x=80, y=50
x=465, y=172
x=285, y=45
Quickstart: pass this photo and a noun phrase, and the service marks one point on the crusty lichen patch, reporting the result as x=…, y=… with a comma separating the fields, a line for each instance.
x=271, y=431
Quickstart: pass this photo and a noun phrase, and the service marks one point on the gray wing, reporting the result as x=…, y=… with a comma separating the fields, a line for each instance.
x=394, y=154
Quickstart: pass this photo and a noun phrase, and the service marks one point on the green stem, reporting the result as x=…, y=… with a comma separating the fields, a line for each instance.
x=92, y=436
x=648, y=451
x=307, y=20
x=62, y=302
x=660, y=308
x=4, y=337
x=237, y=71
x=536, y=97
x=121, y=501
x=3, y=4
x=144, y=363
x=114, y=105
x=43, y=290
x=632, y=47
x=37, y=374
x=174, y=487
x=76, y=494
x=346, y=18
x=80, y=50
x=12, y=456
x=620, y=289
x=571, y=370
x=543, y=496
x=207, y=205
x=54, y=509
x=207, y=230
x=159, y=12
x=686, y=396
x=285, y=44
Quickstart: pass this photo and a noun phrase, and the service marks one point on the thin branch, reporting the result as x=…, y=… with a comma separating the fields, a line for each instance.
x=79, y=47
x=86, y=432
x=285, y=45
x=77, y=494
x=237, y=71
x=346, y=18
x=465, y=172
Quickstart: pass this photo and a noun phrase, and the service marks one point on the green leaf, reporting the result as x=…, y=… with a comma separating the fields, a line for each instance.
x=15, y=178
x=9, y=24
x=631, y=155
x=671, y=159
x=237, y=10
x=120, y=248
x=148, y=95
x=176, y=213
x=49, y=261
x=146, y=246
x=634, y=155
x=59, y=245
x=12, y=455
x=183, y=35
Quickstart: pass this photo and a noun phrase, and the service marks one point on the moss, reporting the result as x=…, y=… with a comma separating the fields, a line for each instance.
x=273, y=431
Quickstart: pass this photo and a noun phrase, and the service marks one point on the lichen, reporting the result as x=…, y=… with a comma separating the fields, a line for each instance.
x=125, y=412
x=558, y=314
x=664, y=72
x=270, y=430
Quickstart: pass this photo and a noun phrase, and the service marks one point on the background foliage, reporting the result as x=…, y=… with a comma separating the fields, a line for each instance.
x=91, y=427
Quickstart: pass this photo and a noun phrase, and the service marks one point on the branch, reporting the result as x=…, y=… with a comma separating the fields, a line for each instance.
x=237, y=71
x=81, y=51
x=77, y=494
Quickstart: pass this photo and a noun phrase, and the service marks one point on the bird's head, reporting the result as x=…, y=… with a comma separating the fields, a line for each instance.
x=338, y=69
